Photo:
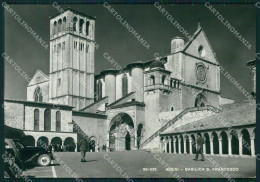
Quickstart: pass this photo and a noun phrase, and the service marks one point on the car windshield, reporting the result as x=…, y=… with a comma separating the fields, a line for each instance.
x=19, y=145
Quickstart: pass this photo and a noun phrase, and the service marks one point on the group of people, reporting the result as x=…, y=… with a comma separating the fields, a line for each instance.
x=62, y=148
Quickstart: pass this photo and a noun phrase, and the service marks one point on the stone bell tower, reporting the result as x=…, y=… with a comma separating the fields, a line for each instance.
x=72, y=46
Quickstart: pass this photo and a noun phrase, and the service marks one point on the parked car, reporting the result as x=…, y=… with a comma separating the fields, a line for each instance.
x=25, y=155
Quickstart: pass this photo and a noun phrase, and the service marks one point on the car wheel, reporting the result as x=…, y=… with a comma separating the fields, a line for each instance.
x=44, y=160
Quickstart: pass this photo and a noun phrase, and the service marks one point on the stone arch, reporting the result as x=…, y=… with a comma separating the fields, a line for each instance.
x=64, y=23
x=37, y=94
x=186, y=138
x=214, y=136
x=43, y=141
x=69, y=144
x=75, y=19
x=47, y=120
x=234, y=142
x=177, y=144
x=207, y=143
x=193, y=143
x=28, y=140
x=246, y=143
x=121, y=125
x=87, y=27
x=81, y=22
x=201, y=100
x=182, y=144
x=54, y=27
x=152, y=80
x=59, y=25
x=224, y=137
x=56, y=140
x=171, y=142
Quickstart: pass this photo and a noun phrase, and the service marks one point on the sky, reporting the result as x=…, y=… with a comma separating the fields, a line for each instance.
x=115, y=39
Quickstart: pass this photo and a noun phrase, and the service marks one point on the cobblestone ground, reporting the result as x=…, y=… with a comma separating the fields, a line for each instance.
x=145, y=165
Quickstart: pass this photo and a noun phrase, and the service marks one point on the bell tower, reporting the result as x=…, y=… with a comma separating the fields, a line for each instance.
x=72, y=46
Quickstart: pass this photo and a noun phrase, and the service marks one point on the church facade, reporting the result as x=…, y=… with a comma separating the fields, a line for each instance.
x=135, y=108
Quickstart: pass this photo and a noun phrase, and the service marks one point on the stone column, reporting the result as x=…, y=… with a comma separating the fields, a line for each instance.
x=204, y=148
x=174, y=145
x=136, y=147
x=107, y=144
x=211, y=147
x=170, y=145
x=220, y=146
x=229, y=145
x=252, y=146
x=184, y=143
x=190, y=145
x=165, y=146
x=179, y=141
x=240, y=146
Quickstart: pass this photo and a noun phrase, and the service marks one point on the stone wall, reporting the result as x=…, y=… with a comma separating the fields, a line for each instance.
x=14, y=115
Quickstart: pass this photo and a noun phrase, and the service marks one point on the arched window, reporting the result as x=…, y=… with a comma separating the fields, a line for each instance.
x=38, y=95
x=163, y=79
x=87, y=27
x=36, y=119
x=64, y=24
x=81, y=21
x=75, y=24
x=54, y=27
x=58, y=121
x=47, y=120
x=59, y=25
x=174, y=84
x=99, y=90
x=152, y=80
x=124, y=85
x=172, y=108
x=200, y=100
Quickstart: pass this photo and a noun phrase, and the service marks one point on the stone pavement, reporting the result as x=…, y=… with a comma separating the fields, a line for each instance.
x=144, y=165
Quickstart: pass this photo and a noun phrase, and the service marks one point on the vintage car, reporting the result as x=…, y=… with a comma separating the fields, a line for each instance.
x=25, y=155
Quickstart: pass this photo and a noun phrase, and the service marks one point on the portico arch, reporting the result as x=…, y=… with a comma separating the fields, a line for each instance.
x=121, y=133
x=28, y=140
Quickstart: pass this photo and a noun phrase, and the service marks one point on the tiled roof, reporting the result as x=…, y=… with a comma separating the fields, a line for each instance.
x=236, y=114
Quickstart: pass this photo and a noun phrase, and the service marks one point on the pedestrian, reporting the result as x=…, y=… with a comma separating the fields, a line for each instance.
x=83, y=149
x=199, y=150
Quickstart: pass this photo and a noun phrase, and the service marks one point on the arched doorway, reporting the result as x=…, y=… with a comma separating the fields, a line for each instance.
x=193, y=144
x=121, y=134
x=224, y=137
x=234, y=142
x=28, y=140
x=42, y=142
x=207, y=143
x=187, y=144
x=182, y=144
x=246, y=143
x=176, y=144
x=69, y=144
x=56, y=142
x=215, y=143
x=200, y=100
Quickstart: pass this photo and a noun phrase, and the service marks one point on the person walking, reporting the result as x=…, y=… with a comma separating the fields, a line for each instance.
x=199, y=150
x=83, y=149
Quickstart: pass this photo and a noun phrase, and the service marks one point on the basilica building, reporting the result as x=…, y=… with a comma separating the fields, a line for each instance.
x=157, y=105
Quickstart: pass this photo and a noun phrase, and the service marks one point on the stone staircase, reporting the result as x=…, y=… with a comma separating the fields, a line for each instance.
x=195, y=115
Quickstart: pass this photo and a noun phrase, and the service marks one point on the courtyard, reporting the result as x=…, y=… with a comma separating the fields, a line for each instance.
x=141, y=164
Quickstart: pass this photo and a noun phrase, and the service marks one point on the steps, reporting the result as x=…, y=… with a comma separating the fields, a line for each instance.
x=154, y=141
